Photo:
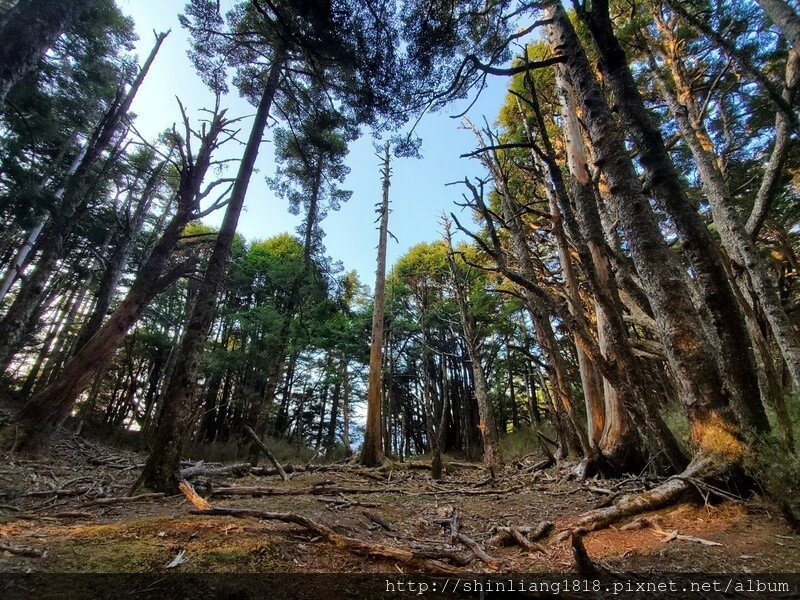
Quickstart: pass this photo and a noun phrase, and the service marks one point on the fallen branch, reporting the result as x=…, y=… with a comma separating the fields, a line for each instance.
x=507, y=536
x=668, y=536
x=45, y=493
x=124, y=499
x=338, y=502
x=266, y=451
x=306, y=491
x=409, y=557
x=22, y=550
x=378, y=520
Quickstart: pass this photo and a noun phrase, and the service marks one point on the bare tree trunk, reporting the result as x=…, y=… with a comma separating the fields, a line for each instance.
x=371, y=453
x=29, y=30
x=161, y=471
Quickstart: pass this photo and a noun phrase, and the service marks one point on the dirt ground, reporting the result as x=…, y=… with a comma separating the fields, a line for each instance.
x=52, y=506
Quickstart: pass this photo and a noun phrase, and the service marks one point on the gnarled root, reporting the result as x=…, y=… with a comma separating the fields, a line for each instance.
x=702, y=468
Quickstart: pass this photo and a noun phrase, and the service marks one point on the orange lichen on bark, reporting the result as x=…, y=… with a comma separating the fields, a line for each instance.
x=716, y=436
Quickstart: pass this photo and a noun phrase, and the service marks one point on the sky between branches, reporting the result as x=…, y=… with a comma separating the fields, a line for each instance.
x=418, y=192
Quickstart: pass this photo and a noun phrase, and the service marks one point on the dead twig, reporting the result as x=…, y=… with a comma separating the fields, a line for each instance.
x=493, y=563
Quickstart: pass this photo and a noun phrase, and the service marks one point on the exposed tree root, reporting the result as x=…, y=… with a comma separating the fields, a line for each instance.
x=671, y=491
x=580, y=557
x=791, y=518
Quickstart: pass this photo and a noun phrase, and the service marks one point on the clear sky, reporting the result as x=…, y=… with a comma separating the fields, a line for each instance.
x=418, y=192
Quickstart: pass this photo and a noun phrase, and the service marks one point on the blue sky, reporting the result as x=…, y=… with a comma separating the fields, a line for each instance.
x=418, y=191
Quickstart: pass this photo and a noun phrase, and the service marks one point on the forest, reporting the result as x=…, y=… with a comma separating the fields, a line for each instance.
x=593, y=369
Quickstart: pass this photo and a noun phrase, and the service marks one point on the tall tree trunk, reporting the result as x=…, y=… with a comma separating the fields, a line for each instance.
x=116, y=262
x=29, y=30
x=346, y=407
x=735, y=238
x=42, y=412
x=715, y=429
x=737, y=362
x=162, y=467
x=625, y=395
x=371, y=453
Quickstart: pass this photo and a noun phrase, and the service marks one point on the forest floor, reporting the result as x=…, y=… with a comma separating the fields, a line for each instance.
x=69, y=511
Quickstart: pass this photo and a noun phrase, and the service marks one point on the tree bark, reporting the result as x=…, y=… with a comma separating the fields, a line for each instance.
x=737, y=361
x=735, y=238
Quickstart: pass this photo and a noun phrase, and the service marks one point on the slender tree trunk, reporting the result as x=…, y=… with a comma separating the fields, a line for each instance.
x=346, y=407
x=54, y=240
x=116, y=262
x=161, y=470
x=774, y=168
x=371, y=453
x=492, y=456
x=42, y=412
x=330, y=437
